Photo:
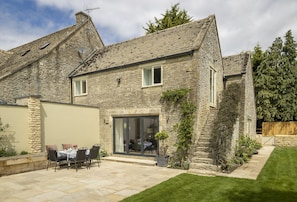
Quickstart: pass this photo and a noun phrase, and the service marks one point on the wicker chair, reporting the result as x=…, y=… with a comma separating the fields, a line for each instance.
x=53, y=158
x=94, y=155
x=80, y=158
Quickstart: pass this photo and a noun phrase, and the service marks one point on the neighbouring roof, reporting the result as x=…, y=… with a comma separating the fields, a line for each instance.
x=236, y=64
x=169, y=42
x=4, y=55
x=23, y=55
x=20, y=57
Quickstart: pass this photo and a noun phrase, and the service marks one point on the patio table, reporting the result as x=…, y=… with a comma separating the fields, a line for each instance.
x=69, y=154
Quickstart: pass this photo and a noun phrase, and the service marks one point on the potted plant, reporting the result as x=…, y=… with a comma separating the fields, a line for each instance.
x=162, y=157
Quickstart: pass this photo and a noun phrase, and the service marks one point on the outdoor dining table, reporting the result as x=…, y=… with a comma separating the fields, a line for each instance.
x=69, y=154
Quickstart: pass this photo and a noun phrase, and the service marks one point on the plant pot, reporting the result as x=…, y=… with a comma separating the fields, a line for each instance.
x=162, y=161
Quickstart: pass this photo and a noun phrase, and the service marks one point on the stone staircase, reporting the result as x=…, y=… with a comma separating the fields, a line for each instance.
x=202, y=162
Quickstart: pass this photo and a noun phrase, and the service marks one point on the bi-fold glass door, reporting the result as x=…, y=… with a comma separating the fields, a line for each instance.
x=135, y=135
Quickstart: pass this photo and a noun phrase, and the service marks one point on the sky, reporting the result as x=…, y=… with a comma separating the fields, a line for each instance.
x=242, y=24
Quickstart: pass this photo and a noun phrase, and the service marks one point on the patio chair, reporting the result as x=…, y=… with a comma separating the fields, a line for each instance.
x=93, y=155
x=66, y=146
x=53, y=158
x=48, y=147
x=80, y=158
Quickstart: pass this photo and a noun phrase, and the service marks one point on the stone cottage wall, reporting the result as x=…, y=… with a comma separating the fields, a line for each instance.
x=48, y=76
x=129, y=98
x=250, y=116
x=208, y=56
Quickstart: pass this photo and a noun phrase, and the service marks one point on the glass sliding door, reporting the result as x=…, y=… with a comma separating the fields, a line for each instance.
x=120, y=136
x=135, y=135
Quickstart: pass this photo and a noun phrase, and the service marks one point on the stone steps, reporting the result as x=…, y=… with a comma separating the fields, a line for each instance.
x=203, y=149
x=202, y=162
x=147, y=162
x=203, y=166
x=203, y=154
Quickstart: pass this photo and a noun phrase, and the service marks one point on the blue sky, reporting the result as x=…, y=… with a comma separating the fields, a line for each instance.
x=241, y=24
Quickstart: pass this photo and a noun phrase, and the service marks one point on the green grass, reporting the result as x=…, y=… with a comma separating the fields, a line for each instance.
x=276, y=182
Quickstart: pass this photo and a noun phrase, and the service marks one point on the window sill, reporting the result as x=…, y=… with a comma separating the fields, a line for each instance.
x=80, y=95
x=157, y=85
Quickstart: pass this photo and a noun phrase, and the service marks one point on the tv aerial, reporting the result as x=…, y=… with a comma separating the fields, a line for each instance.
x=88, y=10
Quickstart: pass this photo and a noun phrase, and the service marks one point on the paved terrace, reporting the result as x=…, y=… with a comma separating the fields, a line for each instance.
x=112, y=181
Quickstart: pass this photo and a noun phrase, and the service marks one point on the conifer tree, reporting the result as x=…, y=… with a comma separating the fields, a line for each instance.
x=171, y=18
x=275, y=77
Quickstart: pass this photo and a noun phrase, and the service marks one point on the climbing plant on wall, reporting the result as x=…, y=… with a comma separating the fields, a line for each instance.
x=179, y=98
x=224, y=122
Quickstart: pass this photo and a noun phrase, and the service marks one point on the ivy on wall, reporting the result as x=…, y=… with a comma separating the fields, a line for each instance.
x=224, y=123
x=179, y=98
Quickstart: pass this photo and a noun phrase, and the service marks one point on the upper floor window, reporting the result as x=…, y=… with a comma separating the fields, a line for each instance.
x=212, y=85
x=80, y=87
x=152, y=76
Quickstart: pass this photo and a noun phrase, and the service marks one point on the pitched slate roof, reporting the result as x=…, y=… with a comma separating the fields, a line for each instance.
x=159, y=45
x=23, y=55
x=4, y=55
x=235, y=64
x=20, y=57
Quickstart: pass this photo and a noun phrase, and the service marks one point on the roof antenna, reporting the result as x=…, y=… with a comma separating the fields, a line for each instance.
x=88, y=10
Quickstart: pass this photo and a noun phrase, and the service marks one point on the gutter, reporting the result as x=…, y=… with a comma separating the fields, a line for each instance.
x=132, y=64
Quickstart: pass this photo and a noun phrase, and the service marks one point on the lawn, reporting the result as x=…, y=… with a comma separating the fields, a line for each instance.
x=276, y=182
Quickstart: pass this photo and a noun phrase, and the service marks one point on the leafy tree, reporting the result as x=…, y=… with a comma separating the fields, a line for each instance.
x=171, y=18
x=275, y=80
x=257, y=57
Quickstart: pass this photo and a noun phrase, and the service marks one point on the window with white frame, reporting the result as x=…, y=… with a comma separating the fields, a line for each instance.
x=80, y=87
x=212, y=85
x=152, y=76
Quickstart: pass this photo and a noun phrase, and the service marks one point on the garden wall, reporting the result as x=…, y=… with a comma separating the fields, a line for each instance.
x=23, y=163
x=38, y=123
x=283, y=133
x=16, y=135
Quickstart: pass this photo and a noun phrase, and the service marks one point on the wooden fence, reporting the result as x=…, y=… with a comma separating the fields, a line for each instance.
x=279, y=128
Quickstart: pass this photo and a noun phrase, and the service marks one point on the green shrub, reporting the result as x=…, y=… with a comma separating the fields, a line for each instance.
x=245, y=149
x=5, y=153
x=103, y=153
x=24, y=153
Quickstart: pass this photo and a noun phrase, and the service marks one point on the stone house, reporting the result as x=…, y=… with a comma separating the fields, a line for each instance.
x=41, y=67
x=126, y=80
x=238, y=68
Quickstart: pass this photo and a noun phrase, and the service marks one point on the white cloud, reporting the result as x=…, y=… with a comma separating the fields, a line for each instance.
x=241, y=24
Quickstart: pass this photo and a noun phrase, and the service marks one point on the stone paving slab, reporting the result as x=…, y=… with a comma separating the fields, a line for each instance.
x=252, y=169
x=112, y=181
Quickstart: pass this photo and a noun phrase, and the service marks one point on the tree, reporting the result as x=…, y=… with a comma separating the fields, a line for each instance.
x=287, y=102
x=275, y=77
x=257, y=57
x=265, y=83
x=171, y=18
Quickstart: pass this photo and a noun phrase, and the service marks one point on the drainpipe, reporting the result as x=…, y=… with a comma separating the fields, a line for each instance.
x=71, y=91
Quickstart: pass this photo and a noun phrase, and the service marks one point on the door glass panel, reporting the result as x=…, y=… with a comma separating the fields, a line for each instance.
x=135, y=135
x=119, y=135
x=151, y=127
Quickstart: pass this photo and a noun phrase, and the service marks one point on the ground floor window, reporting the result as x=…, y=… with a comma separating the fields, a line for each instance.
x=135, y=135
